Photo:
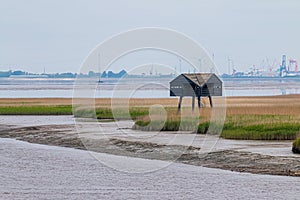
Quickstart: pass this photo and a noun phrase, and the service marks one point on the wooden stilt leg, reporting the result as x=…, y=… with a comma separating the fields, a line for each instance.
x=179, y=103
x=193, y=103
x=199, y=102
x=210, y=101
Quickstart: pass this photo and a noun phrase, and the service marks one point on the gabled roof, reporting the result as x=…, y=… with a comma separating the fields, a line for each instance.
x=199, y=78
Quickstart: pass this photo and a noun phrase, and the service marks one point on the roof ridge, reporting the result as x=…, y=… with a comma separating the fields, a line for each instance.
x=198, y=78
x=199, y=73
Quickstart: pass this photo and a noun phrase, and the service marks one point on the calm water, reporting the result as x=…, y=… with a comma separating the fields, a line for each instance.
x=138, y=88
x=31, y=171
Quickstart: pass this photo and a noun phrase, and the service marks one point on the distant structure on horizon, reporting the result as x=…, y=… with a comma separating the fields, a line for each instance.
x=30, y=76
x=285, y=69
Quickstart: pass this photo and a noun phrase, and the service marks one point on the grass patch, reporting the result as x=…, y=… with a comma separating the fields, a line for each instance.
x=36, y=110
x=261, y=132
x=188, y=124
x=101, y=113
x=296, y=146
x=242, y=127
x=121, y=113
x=115, y=114
x=261, y=127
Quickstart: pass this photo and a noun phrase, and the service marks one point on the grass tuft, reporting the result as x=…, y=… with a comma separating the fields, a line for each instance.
x=296, y=146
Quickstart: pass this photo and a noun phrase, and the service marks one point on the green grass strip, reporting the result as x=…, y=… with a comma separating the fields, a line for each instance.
x=36, y=110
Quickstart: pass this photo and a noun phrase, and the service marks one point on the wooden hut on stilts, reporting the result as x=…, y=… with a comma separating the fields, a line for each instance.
x=196, y=85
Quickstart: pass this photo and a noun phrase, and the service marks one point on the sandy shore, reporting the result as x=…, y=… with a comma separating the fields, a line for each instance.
x=232, y=155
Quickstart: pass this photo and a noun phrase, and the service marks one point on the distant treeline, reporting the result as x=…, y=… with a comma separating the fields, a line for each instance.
x=90, y=74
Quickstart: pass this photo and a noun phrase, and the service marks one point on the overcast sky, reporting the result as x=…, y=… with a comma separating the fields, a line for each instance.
x=59, y=34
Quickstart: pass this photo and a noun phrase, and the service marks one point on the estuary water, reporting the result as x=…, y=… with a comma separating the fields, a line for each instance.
x=137, y=87
x=32, y=171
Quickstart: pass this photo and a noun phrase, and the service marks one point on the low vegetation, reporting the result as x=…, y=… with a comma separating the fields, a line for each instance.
x=243, y=127
x=189, y=124
x=253, y=132
x=36, y=110
x=251, y=118
x=261, y=132
x=296, y=146
x=261, y=127
x=115, y=114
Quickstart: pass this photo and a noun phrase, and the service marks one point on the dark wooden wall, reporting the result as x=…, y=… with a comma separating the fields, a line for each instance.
x=181, y=86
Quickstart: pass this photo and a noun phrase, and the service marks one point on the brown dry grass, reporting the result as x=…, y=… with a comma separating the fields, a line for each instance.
x=273, y=105
x=276, y=117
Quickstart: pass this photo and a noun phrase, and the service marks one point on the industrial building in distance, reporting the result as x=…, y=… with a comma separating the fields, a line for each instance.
x=287, y=68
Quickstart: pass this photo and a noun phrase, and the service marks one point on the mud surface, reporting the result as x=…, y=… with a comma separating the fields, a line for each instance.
x=240, y=161
x=33, y=171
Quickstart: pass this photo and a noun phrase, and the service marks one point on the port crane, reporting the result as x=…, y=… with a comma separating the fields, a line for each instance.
x=291, y=63
x=288, y=70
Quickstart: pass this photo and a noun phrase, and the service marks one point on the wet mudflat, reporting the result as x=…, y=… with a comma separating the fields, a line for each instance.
x=273, y=158
x=32, y=171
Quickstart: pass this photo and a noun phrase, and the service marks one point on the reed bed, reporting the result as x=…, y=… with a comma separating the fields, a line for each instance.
x=269, y=118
